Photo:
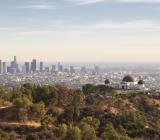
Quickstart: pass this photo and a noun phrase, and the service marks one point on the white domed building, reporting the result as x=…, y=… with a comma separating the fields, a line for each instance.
x=130, y=83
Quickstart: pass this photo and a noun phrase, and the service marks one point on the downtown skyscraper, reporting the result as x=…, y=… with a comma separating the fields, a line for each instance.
x=41, y=67
x=34, y=65
x=4, y=70
x=13, y=68
x=0, y=66
x=26, y=67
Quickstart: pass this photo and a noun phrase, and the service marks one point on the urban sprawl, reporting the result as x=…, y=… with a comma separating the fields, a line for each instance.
x=13, y=74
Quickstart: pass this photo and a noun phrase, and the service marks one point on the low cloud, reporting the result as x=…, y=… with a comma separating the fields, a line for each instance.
x=85, y=2
x=40, y=7
x=138, y=25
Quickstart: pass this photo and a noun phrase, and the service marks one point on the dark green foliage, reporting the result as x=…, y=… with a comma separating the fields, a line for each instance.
x=37, y=111
x=91, y=121
x=3, y=134
x=47, y=94
x=32, y=137
x=88, y=114
x=22, y=102
x=110, y=133
x=88, y=132
x=133, y=117
x=60, y=131
x=70, y=115
x=99, y=89
x=74, y=133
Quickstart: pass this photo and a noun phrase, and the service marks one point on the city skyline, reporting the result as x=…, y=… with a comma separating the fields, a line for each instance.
x=80, y=30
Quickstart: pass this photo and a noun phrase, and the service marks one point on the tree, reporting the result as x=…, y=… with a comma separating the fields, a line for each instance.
x=78, y=98
x=64, y=95
x=88, y=132
x=133, y=117
x=70, y=115
x=74, y=133
x=27, y=89
x=123, y=134
x=22, y=102
x=88, y=89
x=32, y=137
x=61, y=131
x=110, y=133
x=37, y=111
x=15, y=93
x=47, y=120
x=91, y=121
x=3, y=134
x=28, y=86
x=2, y=91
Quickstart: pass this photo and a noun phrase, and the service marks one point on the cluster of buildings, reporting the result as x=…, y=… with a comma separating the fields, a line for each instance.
x=128, y=83
x=32, y=67
x=12, y=68
x=15, y=74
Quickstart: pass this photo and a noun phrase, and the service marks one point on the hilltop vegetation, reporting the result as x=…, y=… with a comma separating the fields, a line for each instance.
x=93, y=113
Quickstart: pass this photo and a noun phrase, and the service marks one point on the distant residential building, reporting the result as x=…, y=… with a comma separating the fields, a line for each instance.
x=41, y=66
x=72, y=69
x=46, y=69
x=96, y=69
x=11, y=70
x=53, y=69
x=60, y=67
x=66, y=70
x=83, y=70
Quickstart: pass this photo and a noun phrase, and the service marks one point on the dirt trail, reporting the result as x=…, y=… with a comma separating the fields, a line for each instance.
x=28, y=123
x=4, y=107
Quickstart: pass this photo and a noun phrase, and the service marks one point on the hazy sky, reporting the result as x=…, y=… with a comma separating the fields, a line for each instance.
x=80, y=30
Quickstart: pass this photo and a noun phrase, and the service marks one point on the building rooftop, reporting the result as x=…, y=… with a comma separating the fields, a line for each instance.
x=128, y=78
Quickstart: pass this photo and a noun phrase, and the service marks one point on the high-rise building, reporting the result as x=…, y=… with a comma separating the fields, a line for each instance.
x=15, y=59
x=96, y=70
x=53, y=69
x=4, y=67
x=0, y=66
x=14, y=66
x=72, y=69
x=41, y=66
x=34, y=65
x=60, y=67
x=83, y=69
x=26, y=67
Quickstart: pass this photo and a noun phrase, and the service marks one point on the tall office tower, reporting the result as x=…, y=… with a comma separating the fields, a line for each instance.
x=0, y=66
x=60, y=67
x=41, y=66
x=96, y=70
x=26, y=67
x=34, y=65
x=14, y=66
x=15, y=59
x=72, y=70
x=53, y=69
x=4, y=67
x=83, y=70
